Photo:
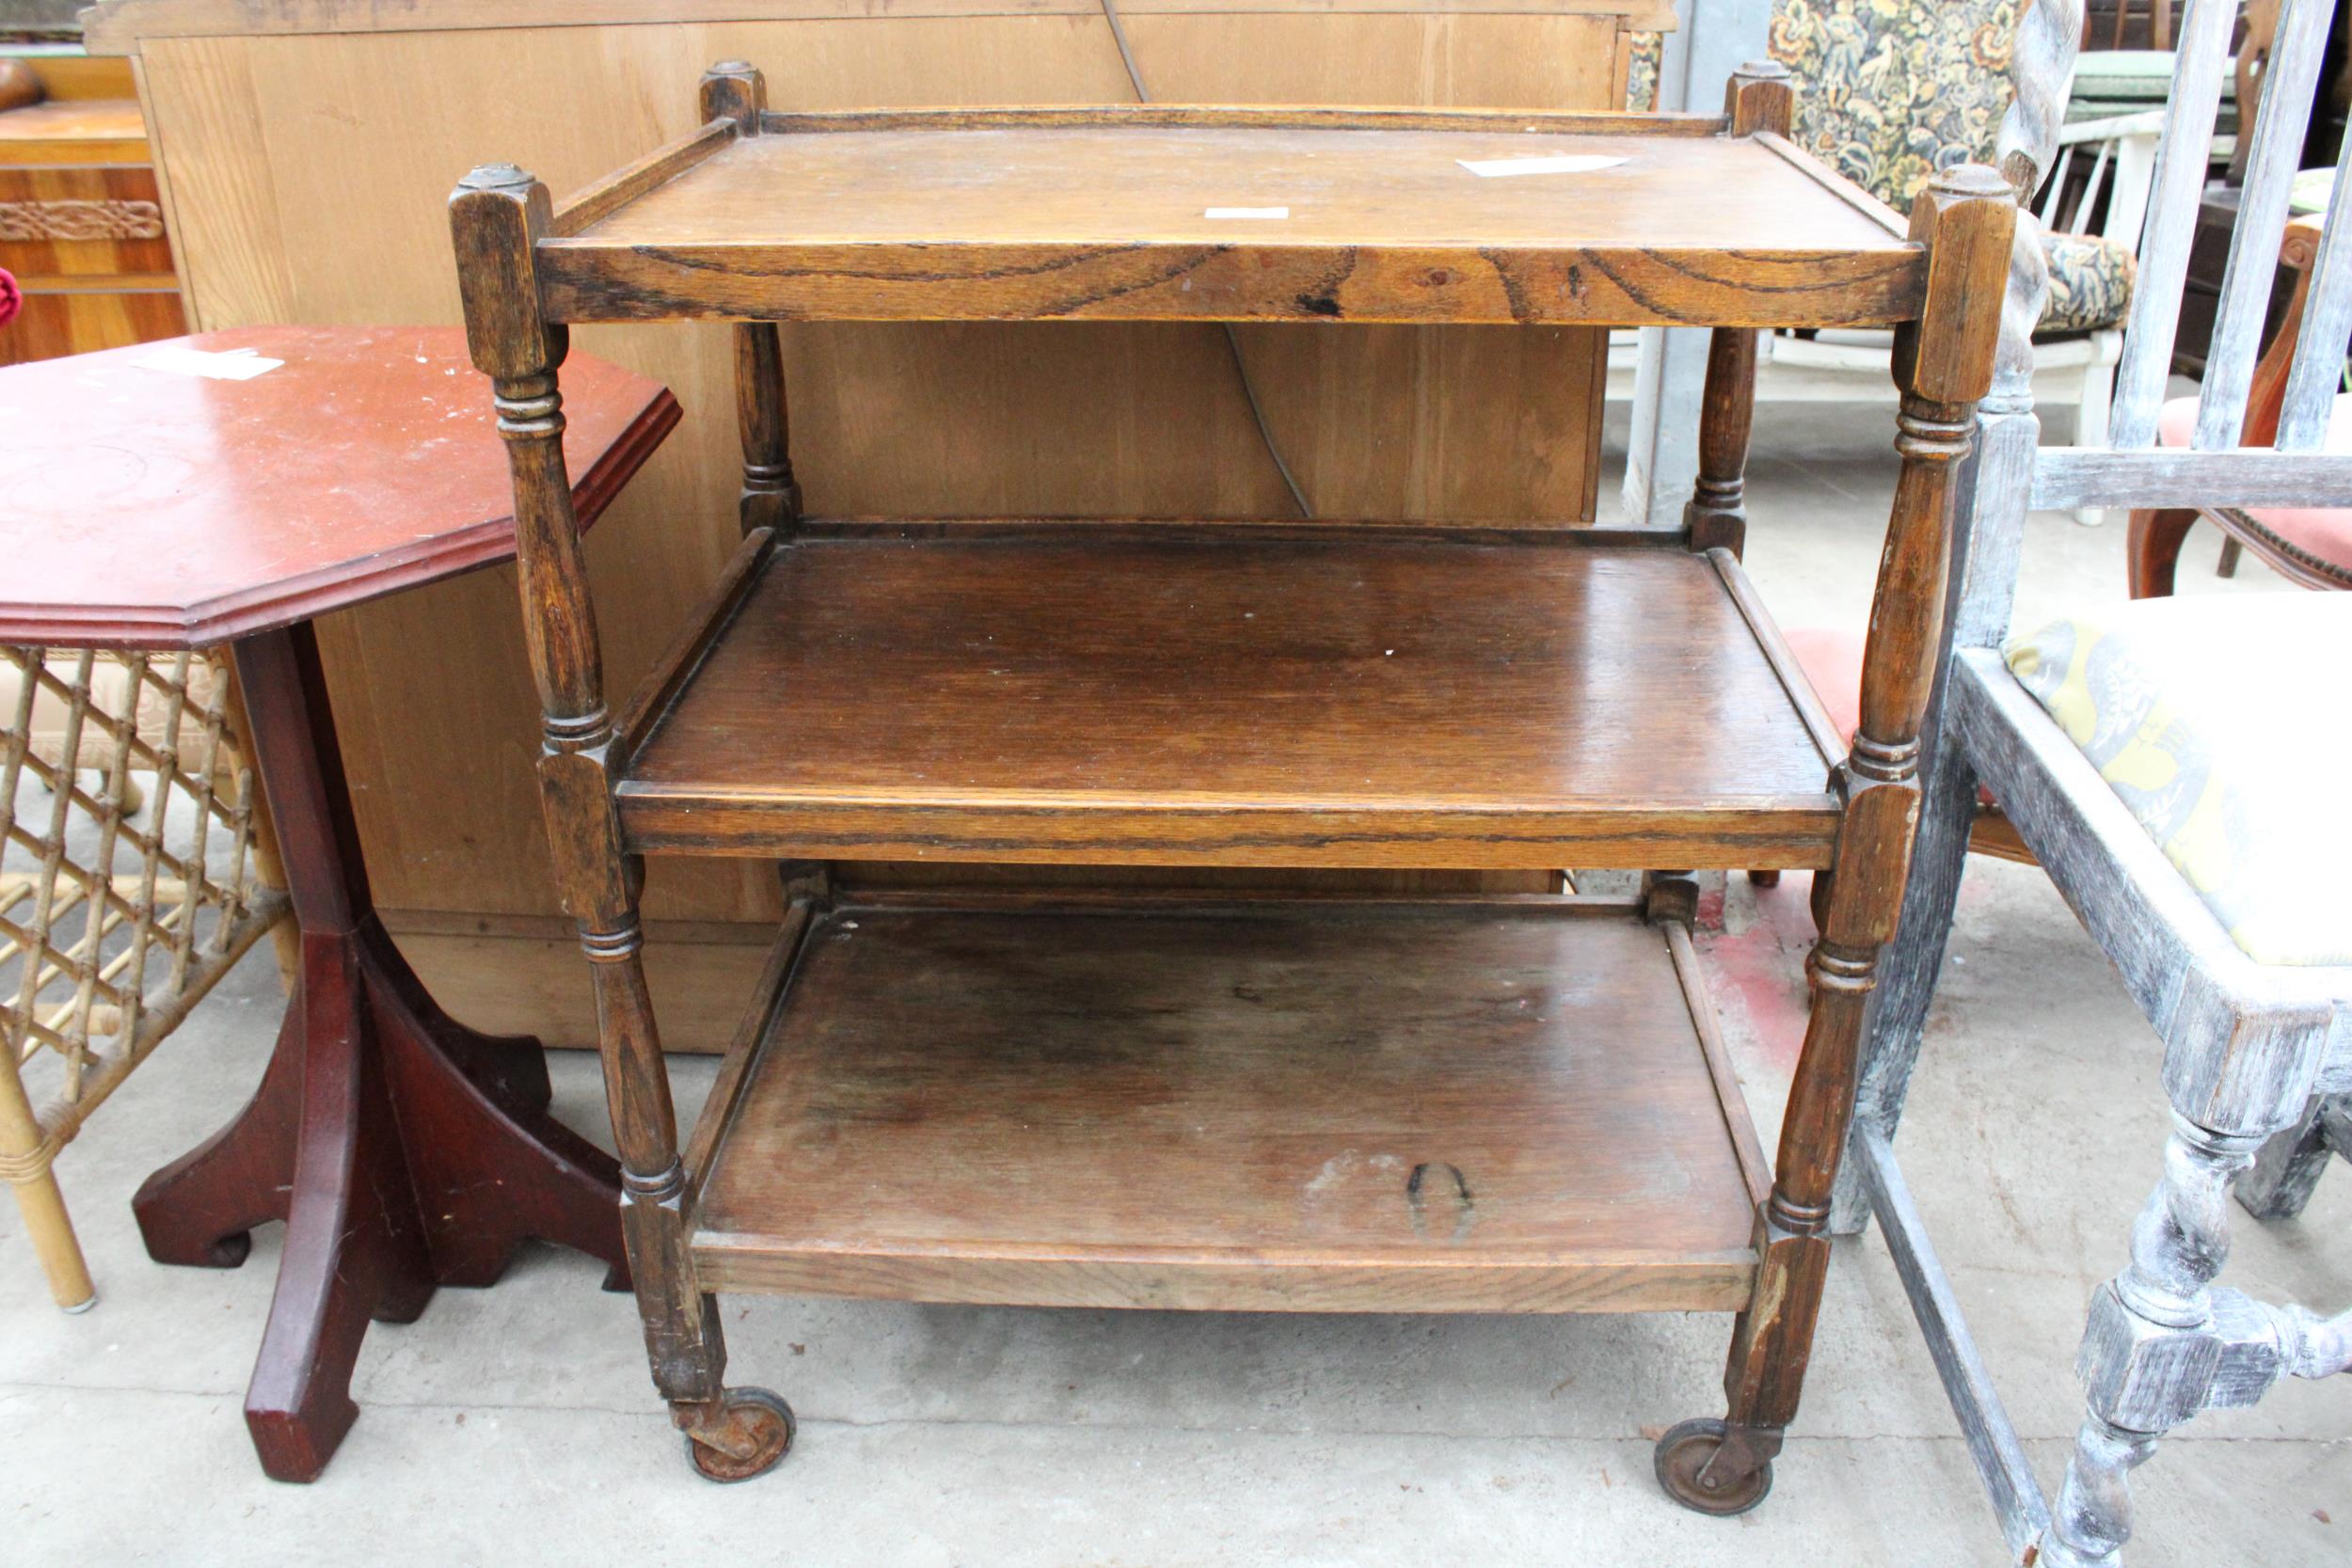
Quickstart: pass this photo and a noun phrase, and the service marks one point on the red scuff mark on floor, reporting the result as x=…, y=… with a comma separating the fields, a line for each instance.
x=1754, y=964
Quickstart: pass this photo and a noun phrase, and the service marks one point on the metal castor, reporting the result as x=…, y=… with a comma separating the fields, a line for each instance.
x=759, y=1424
x=1688, y=1472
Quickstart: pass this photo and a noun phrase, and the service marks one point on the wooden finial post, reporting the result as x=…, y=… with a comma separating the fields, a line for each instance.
x=733, y=90
x=497, y=217
x=1758, y=98
x=1943, y=364
x=772, y=497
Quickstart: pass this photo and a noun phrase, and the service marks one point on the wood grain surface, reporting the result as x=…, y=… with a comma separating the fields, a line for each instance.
x=1187, y=694
x=76, y=130
x=1476, y=1107
x=269, y=142
x=1110, y=213
x=145, y=507
x=119, y=23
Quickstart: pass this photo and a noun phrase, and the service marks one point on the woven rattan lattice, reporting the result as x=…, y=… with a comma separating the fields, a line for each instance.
x=131, y=878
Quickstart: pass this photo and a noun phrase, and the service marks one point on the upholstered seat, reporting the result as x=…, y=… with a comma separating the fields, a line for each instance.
x=2215, y=721
x=2319, y=537
x=2090, y=282
x=1889, y=95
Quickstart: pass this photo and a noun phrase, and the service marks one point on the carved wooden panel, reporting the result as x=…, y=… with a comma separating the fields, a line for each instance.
x=81, y=220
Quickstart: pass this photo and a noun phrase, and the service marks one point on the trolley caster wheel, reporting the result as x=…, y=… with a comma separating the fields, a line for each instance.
x=763, y=1423
x=1764, y=878
x=1688, y=1472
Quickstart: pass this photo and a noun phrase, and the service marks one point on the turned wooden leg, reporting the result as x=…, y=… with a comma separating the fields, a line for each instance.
x=2096, y=1499
x=498, y=216
x=2163, y=1343
x=1941, y=364
x=770, y=497
x=731, y=1433
x=2287, y=1168
x=2154, y=550
x=2150, y=1351
x=1717, y=513
x=1725, y=1467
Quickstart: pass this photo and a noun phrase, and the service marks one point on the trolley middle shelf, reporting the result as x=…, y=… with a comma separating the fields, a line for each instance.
x=1245, y=694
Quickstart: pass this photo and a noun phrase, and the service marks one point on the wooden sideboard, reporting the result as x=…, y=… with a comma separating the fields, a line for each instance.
x=278, y=119
x=80, y=222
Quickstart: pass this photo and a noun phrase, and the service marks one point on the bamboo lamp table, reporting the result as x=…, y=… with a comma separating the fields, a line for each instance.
x=1109, y=1098
x=187, y=503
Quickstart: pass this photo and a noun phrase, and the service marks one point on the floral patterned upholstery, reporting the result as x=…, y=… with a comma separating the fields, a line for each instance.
x=1644, y=52
x=2090, y=282
x=1889, y=91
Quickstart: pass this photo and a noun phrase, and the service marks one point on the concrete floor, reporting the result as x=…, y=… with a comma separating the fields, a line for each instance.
x=517, y=1425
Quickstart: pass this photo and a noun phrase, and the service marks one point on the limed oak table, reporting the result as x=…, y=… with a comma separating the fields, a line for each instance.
x=166, y=497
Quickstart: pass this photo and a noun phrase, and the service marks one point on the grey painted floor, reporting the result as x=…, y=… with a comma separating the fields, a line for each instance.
x=517, y=1425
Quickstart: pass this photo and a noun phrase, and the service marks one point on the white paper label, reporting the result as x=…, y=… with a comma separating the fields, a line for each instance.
x=235, y=364
x=1245, y=213
x=1561, y=162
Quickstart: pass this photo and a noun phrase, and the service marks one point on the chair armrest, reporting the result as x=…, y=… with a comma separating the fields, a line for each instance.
x=2300, y=243
x=2266, y=395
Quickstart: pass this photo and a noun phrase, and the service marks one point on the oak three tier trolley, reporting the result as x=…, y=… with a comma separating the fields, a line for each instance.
x=1117, y=1099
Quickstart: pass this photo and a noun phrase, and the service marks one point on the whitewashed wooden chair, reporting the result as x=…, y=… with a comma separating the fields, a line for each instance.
x=2248, y=1044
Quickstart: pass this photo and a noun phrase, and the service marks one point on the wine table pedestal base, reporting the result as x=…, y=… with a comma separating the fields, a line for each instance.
x=404, y=1151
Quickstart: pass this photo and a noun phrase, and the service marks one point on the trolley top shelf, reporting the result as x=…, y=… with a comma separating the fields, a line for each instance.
x=1158, y=213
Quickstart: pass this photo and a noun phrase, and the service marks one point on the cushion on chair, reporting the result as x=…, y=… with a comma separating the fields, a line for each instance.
x=2219, y=721
x=2320, y=535
x=2090, y=282
x=1887, y=94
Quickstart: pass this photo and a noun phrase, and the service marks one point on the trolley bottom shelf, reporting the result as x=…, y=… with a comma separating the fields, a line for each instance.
x=1282, y=1105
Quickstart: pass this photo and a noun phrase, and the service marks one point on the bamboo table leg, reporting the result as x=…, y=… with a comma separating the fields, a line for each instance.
x=404, y=1151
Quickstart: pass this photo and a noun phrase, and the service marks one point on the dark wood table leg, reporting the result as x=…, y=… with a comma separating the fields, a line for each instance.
x=404, y=1151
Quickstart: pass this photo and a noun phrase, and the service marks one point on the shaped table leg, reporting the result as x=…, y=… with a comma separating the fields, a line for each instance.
x=404, y=1151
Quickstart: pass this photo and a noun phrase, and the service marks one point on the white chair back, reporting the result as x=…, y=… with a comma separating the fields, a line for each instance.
x=2217, y=469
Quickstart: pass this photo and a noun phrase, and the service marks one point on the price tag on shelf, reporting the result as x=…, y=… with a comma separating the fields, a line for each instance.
x=1561, y=162
x=236, y=364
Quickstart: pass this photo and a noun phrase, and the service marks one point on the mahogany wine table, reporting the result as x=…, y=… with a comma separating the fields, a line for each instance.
x=163, y=497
